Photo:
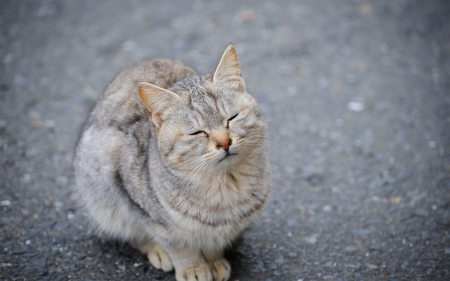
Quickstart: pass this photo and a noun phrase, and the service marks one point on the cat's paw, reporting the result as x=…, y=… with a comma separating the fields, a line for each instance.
x=221, y=269
x=159, y=258
x=202, y=272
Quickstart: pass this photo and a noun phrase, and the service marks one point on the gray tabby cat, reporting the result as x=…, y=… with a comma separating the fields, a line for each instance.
x=175, y=164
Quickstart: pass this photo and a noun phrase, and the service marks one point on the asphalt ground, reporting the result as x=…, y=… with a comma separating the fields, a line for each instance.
x=356, y=95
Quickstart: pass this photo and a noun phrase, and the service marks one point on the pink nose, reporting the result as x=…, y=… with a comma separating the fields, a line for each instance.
x=225, y=144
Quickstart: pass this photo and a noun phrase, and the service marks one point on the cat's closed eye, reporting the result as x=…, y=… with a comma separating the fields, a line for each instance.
x=229, y=120
x=200, y=133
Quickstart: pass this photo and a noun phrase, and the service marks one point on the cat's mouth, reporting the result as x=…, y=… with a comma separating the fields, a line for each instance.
x=229, y=154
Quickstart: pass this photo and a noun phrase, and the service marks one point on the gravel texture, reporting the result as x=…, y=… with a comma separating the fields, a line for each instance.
x=356, y=95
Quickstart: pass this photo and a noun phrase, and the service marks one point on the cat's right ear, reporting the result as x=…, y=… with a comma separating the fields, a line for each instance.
x=227, y=71
x=157, y=100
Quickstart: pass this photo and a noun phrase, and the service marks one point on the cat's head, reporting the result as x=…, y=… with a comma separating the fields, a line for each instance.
x=207, y=122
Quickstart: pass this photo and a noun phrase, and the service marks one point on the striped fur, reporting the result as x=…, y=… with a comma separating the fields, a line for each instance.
x=176, y=165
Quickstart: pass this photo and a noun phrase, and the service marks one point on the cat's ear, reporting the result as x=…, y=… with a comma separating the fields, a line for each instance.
x=157, y=100
x=227, y=71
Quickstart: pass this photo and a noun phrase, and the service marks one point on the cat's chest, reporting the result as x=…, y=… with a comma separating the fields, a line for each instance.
x=219, y=201
x=223, y=193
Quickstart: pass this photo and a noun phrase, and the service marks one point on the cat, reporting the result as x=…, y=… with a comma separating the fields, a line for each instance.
x=175, y=164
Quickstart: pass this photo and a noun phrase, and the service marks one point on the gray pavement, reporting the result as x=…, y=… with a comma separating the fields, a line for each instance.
x=356, y=95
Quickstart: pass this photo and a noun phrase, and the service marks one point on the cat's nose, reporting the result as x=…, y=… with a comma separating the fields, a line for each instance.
x=225, y=144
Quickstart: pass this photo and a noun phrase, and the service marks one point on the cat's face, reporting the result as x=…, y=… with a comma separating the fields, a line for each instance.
x=212, y=127
x=206, y=123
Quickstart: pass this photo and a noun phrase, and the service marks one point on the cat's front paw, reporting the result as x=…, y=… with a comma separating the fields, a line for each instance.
x=202, y=272
x=221, y=269
x=159, y=258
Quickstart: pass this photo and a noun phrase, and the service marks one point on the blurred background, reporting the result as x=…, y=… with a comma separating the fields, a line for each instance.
x=356, y=94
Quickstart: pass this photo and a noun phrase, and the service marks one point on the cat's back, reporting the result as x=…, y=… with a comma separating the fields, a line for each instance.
x=113, y=147
x=120, y=103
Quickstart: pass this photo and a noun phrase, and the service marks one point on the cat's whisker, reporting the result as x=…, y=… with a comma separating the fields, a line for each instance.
x=196, y=166
x=192, y=161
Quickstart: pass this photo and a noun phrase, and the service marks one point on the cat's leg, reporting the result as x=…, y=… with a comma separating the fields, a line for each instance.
x=220, y=267
x=190, y=265
x=156, y=254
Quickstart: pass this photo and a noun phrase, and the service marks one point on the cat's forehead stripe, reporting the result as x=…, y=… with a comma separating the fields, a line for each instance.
x=203, y=101
x=198, y=92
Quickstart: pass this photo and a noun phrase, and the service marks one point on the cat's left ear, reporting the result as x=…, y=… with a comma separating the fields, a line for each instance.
x=157, y=100
x=227, y=71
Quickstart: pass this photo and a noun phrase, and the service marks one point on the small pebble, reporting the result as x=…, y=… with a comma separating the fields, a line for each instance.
x=361, y=231
x=280, y=260
x=371, y=266
x=247, y=15
x=311, y=239
x=49, y=123
x=365, y=8
x=447, y=251
x=5, y=203
x=315, y=179
x=351, y=249
x=432, y=144
x=353, y=265
x=26, y=178
x=355, y=106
